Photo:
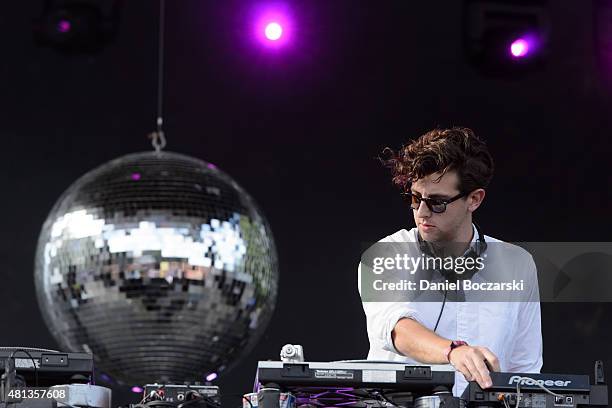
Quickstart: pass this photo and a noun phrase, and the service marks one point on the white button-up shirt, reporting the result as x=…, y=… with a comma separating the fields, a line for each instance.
x=511, y=330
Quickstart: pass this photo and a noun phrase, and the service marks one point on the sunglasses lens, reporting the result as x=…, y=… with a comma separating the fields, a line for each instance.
x=414, y=202
x=437, y=207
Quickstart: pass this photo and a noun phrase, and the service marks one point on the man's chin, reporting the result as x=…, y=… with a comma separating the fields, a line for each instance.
x=431, y=235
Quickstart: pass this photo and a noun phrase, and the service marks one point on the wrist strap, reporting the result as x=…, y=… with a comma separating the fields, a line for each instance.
x=454, y=344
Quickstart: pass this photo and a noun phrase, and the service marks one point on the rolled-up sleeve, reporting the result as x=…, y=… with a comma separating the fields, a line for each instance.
x=526, y=356
x=381, y=318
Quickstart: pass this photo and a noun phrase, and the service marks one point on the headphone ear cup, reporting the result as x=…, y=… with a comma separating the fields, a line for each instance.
x=479, y=248
x=483, y=247
x=481, y=244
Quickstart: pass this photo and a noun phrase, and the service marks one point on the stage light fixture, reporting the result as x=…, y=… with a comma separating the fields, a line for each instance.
x=274, y=31
x=504, y=37
x=273, y=25
x=76, y=27
x=519, y=48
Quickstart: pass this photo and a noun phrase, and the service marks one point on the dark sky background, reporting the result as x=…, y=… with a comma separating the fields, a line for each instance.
x=301, y=130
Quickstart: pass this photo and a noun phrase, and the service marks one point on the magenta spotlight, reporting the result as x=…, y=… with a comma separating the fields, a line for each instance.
x=519, y=48
x=273, y=25
x=136, y=389
x=211, y=377
x=63, y=26
x=273, y=31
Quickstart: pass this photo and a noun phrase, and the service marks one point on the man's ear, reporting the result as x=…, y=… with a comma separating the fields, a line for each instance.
x=475, y=198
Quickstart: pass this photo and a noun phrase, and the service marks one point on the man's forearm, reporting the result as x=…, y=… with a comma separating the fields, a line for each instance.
x=414, y=340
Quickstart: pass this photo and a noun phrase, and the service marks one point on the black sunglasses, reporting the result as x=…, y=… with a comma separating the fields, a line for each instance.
x=436, y=205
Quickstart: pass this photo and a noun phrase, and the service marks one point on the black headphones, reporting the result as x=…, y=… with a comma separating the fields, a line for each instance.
x=474, y=252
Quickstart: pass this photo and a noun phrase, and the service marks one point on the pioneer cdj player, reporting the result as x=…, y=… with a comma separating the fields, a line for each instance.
x=294, y=383
x=540, y=390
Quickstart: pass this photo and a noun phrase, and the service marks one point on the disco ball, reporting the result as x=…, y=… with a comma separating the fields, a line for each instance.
x=160, y=265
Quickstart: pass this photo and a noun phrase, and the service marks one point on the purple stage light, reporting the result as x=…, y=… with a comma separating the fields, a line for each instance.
x=526, y=46
x=519, y=48
x=136, y=389
x=273, y=25
x=273, y=31
x=135, y=176
x=63, y=26
x=211, y=376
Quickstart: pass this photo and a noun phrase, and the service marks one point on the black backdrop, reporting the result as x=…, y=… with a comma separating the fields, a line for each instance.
x=300, y=131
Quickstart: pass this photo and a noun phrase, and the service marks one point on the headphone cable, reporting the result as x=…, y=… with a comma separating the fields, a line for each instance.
x=441, y=310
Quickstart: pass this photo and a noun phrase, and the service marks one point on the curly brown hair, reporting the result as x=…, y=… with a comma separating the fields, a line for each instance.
x=443, y=150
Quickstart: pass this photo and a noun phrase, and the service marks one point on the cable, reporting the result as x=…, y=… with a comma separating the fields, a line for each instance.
x=12, y=355
x=63, y=404
x=158, y=138
x=198, y=400
x=247, y=400
x=241, y=396
x=160, y=65
x=193, y=398
x=14, y=368
x=159, y=404
x=518, y=389
x=441, y=310
x=12, y=348
x=379, y=393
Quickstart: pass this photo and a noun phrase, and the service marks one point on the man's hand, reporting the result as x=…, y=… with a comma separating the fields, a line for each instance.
x=412, y=339
x=472, y=362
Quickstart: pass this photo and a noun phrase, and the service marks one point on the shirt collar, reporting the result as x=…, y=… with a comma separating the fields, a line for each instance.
x=474, y=239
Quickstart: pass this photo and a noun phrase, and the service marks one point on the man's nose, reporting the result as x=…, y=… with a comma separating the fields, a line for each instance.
x=423, y=210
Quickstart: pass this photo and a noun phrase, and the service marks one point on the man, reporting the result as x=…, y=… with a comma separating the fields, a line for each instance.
x=444, y=173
